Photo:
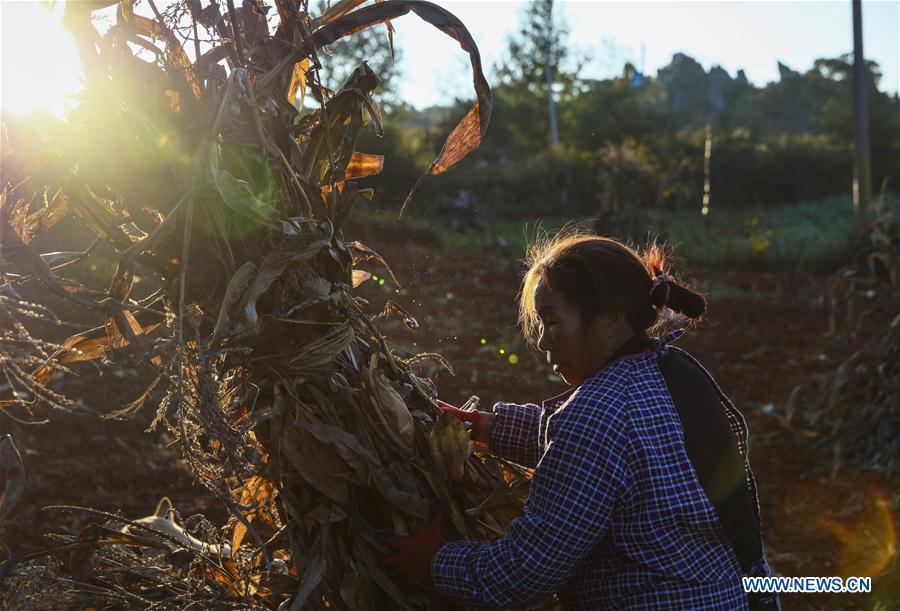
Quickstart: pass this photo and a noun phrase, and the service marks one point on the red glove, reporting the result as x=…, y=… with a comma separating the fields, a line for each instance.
x=414, y=555
x=473, y=417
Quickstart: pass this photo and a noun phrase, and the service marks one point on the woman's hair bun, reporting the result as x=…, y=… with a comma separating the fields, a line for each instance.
x=678, y=298
x=601, y=275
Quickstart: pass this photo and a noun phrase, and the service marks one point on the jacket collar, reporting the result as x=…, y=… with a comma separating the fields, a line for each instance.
x=637, y=345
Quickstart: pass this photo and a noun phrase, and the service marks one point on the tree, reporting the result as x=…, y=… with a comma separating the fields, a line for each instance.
x=612, y=110
x=537, y=58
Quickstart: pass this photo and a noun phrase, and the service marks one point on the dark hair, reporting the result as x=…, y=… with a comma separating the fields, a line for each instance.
x=603, y=275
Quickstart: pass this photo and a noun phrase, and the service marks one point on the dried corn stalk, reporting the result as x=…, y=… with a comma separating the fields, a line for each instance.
x=853, y=415
x=228, y=204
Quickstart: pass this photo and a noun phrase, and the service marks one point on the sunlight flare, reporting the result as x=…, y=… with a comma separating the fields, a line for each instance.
x=37, y=76
x=868, y=544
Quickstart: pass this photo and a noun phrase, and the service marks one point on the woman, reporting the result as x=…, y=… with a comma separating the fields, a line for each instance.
x=642, y=496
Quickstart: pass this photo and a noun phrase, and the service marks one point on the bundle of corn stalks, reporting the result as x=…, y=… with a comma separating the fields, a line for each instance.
x=224, y=206
x=854, y=416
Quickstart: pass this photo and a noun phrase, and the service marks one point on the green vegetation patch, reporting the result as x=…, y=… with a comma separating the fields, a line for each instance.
x=813, y=234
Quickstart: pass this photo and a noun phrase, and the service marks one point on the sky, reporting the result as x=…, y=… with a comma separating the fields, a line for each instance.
x=748, y=35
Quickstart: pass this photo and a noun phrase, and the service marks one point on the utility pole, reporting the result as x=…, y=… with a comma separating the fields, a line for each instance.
x=862, y=168
x=548, y=73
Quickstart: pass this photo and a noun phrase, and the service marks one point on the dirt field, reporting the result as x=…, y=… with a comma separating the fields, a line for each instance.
x=765, y=334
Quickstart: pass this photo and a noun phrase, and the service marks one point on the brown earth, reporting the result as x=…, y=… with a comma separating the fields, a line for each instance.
x=765, y=335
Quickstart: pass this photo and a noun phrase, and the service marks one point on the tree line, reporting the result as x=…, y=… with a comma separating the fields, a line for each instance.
x=636, y=140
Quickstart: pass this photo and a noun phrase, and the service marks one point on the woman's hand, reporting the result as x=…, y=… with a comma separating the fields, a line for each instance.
x=413, y=556
x=482, y=422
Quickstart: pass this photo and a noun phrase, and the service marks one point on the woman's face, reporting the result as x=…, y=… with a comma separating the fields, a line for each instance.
x=575, y=351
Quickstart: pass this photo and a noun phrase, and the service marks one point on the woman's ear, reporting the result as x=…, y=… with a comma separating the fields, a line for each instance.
x=607, y=324
x=615, y=322
x=615, y=325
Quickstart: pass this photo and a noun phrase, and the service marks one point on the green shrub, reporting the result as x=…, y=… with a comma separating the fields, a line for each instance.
x=548, y=183
x=814, y=234
x=748, y=171
x=810, y=234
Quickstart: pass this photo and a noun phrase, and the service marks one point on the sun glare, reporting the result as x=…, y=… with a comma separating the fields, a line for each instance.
x=39, y=67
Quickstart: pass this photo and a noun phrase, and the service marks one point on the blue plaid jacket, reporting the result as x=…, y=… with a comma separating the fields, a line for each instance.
x=616, y=517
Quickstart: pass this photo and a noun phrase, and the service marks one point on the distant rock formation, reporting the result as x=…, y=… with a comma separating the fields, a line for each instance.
x=785, y=72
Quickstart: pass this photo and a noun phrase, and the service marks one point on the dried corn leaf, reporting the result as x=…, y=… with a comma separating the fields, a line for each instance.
x=315, y=570
x=363, y=164
x=257, y=491
x=464, y=138
x=52, y=259
x=83, y=347
x=120, y=286
x=99, y=215
x=28, y=262
x=298, y=83
x=319, y=464
x=122, y=328
x=236, y=286
x=368, y=469
x=450, y=446
x=338, y=9
x=322, y=350
x=174, y=53
x=47, y=217
x=293, y=249
x=393, y=414
x=360, y=276
x=327, y=513
x=361, y=253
